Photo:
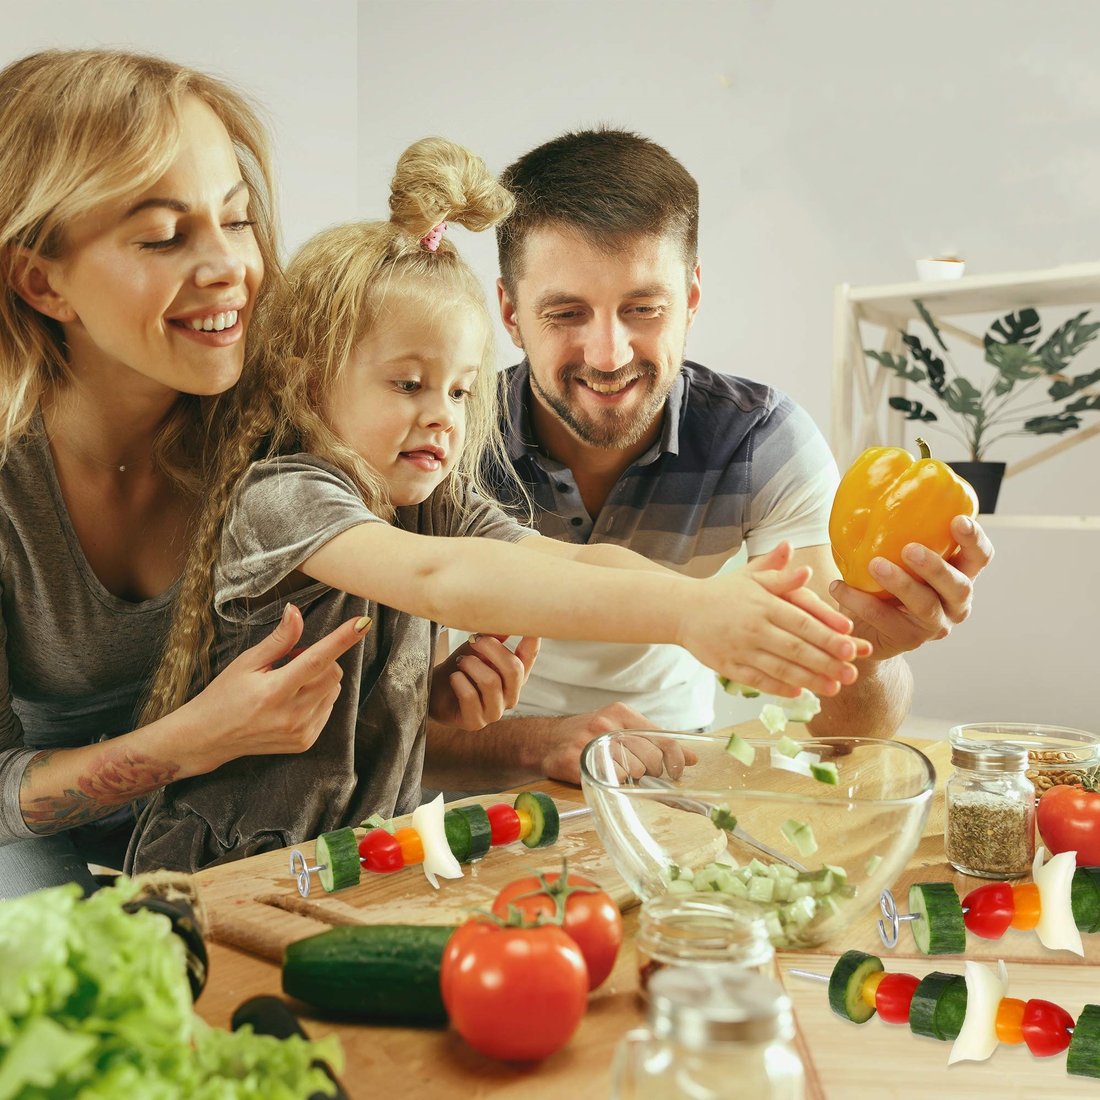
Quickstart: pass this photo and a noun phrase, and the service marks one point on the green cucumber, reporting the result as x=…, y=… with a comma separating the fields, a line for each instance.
x=825, y=773
x=934, y=1011
x=740, y=749
x=800, y=835
x=378, y=972
x=939, y=929
x=469, y=834
x=544, y=818
x=1083, y=1056
x=1085, y=898
x=338, y=859
x=846, y=985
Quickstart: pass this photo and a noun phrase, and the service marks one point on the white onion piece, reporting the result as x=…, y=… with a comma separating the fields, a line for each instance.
x=427, y=820
x=799, y=764
x=977, y=1039
x=1057, y=930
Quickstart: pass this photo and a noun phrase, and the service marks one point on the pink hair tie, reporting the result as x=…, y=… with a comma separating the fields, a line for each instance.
x=430, y=241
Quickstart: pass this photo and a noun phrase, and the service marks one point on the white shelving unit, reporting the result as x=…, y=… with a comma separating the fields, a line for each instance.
x=861, y=416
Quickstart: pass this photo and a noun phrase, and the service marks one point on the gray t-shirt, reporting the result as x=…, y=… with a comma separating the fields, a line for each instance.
x=369, y=757
x=75, y=660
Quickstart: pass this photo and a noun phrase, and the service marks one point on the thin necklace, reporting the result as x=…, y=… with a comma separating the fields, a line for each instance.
x=89, y=457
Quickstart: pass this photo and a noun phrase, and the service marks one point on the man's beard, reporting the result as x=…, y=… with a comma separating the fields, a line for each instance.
x=613, y=429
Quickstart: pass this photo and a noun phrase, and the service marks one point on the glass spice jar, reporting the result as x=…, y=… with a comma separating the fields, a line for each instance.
x=990, y=829
x=697, y=930
x=712, y=1033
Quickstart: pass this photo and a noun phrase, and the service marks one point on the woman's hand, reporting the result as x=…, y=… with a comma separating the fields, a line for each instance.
x=253, y=708
x=482, y=679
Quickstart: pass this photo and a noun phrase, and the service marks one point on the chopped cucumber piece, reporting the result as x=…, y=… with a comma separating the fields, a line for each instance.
x=681, y=886
x=932, y=1013
x=804, y=707
x=800, y=835
x=872, y=865
x=674, y=872
x=377, y=821
x=1085, y=898
x=825, y=773
x=773, y=718
x=732, y=687
x=800, y=911
x=337, y=856
x=761, y=889
x=1083, y=1056
x=722, y=818
x=741, y=750
x=846, y=985
x=788, y=746
x=544, y=818
x=939, y=929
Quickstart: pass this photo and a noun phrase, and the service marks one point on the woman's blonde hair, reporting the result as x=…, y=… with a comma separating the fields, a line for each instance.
x=334, y=291
x=79, y=128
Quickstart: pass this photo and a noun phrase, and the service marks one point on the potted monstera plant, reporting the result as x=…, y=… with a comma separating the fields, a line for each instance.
x=1028, y=392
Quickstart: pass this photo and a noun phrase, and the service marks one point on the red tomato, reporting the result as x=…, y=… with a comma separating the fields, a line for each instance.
x=381, y=852
x=1069, y=821
x=588, y=915
x=1046, y=1027
x=503, y=824
x=894, y=996
x=513, y=993
x=988, y=910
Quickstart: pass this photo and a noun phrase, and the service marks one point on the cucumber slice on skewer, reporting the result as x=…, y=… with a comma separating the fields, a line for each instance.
x=1083, y=1056
x=1085, y=898
x=846, y=985
x=939, y=929
x=469, y=834
x=544, y=818
x=337, y=859
x=934, y=1010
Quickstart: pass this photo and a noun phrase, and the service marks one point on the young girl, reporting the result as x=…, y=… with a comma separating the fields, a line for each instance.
x=354, y=487
x=135, y=227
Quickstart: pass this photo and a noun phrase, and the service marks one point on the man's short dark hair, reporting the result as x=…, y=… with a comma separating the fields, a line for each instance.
x=608, y=185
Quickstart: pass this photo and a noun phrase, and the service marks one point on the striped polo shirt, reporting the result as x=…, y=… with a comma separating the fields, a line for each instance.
x=737, y=463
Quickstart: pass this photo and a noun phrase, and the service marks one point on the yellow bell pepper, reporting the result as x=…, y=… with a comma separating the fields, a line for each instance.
x=886, y=501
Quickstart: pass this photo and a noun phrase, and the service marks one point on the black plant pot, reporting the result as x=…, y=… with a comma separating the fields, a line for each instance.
x=985, y=477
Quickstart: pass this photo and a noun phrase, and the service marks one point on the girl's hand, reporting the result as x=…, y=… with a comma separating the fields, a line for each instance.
x=761, y=626
x=480, y=681
x=253, y=708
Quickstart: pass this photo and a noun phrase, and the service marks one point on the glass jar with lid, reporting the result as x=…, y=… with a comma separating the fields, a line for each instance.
x=711, y=1030
x=701, y=930
x=990, y=801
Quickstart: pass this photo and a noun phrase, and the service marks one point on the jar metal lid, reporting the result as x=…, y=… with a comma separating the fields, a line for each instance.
x=718, y=1003
x=987, y=757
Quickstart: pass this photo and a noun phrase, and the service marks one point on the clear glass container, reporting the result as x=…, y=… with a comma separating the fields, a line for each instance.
x=701, y=930
x=990, y=802
x=713, y=1033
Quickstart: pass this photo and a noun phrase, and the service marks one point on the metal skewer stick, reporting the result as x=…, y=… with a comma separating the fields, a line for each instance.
x=888, y=906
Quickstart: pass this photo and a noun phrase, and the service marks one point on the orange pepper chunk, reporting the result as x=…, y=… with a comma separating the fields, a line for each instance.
x=870, y=987
x=412, y=847
x=1028, y=905
x=1010, y=1020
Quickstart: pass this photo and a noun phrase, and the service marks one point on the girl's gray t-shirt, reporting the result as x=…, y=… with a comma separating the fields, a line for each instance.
x=369, y=757
x=75, y=660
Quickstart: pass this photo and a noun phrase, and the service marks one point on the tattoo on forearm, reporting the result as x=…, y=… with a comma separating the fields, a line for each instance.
x=110, y=783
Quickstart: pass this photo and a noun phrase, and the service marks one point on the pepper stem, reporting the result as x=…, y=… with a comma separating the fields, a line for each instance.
x=925, y=451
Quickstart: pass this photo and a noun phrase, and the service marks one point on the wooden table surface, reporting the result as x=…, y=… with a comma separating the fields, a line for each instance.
x=843, y=1061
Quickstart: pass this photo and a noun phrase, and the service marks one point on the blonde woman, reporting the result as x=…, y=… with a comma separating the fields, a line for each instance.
x=135, y=229
x=354, y=487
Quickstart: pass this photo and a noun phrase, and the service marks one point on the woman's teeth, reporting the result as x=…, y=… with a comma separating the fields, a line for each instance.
x=214, y=323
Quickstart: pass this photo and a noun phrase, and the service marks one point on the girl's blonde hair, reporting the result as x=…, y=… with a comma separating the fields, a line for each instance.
x=79, y=128
x=334, y=290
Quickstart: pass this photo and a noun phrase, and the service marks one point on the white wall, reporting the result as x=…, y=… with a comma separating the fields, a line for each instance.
x=297, y=65
x=833, y=142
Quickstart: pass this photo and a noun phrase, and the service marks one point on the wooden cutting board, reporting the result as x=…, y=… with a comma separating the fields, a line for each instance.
x=255, y=905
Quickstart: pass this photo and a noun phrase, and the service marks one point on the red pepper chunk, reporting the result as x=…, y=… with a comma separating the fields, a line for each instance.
x=893, y=997
x=989, y=910
x=379, y=851
x=1046, y=1027
x=504, y=824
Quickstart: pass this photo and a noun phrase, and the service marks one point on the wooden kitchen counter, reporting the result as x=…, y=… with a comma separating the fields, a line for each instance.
x=253, y=903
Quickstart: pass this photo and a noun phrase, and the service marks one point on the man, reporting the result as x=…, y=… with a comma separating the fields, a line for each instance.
x=618, y=439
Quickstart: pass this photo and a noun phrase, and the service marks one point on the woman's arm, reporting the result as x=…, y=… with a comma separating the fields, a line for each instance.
x=250, y=709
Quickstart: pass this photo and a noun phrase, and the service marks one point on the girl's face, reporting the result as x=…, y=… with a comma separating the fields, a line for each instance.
x=400, y=400
x=156, y=290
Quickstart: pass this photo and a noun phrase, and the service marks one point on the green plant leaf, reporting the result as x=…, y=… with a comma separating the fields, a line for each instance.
x=1015, y=328
x=963, y=397
x=1063, y=389
x=1052, y=425
x=932, y=364
x=1065, y=342
x=915, y=409
x=1084, y=404
x=896, y=363
x=929, y=320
